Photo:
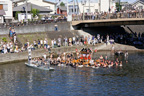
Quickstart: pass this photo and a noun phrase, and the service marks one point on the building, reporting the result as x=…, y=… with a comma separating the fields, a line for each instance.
x=43, y=3
x=22, y=9
x=62, y=10
x=80, y=8
x=92, y=7
x=107, y=6
x=5, y=11
x=139, y=4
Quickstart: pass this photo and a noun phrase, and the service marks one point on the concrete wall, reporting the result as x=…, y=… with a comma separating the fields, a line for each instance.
x=64, y=26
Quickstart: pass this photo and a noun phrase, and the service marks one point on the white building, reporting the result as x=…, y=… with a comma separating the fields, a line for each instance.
x=107, y=6
x=139, y=4
x=100, y=6
x=43, y=3
x=6, y=9
x=79, y=8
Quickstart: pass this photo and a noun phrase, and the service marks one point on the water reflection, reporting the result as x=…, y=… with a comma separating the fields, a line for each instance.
x=17, y=79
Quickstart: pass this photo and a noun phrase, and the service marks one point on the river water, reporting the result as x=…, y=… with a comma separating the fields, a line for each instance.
x=19, y=80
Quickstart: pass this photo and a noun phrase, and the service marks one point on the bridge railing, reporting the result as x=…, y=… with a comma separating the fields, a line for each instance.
x=103, y=16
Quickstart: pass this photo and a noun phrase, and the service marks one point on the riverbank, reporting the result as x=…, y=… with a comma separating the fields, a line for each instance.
x=119, y=47
x=22, y=56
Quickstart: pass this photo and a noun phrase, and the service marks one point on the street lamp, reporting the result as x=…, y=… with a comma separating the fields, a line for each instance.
x=83, y=2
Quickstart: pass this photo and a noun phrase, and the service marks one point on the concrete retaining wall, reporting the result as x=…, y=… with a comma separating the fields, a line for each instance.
x=63, y=26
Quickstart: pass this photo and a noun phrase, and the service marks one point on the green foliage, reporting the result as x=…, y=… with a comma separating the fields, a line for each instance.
x=16, y=14
x=53, y=17
x=118, y=7
x=4, y=39
x=34, y=12
x=62, y=4
x=39, y=17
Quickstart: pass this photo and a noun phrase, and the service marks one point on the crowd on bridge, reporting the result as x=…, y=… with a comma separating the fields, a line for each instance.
x=108, y=15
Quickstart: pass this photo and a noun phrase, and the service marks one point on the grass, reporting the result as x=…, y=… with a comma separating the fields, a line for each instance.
x=6, y=36
x=31, y=37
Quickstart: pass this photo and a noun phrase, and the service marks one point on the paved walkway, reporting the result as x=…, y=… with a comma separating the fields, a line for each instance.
x=120, y=47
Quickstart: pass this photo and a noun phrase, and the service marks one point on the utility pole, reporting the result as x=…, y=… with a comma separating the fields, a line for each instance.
x=89, y=6
x=109, y=6
x=67, y=8
x=73, y=6
x=83, y=2
x=78, y=9
x=109, y=9
x=26, y=11
x=99, y=5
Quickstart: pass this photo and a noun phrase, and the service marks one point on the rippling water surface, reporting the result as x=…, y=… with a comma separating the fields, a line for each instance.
x=20, y=80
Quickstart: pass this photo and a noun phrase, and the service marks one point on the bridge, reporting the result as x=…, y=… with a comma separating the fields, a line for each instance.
x=109, y=22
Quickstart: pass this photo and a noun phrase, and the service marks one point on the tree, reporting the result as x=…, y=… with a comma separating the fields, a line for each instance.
x=16, y=14
x=34, y=12
x=118, y=7
x=62, y=4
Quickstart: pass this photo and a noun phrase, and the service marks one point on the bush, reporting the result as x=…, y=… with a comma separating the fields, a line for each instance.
x=4, y=39
x=16, y=14
x=35, y=12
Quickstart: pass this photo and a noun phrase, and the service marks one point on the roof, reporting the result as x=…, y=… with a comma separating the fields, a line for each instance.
x=49, y=2
x=64, y=8
x=2, y=12
x=141, y=0
x=138, y=1
x=29, y=6
x=124, y=3
x=43, y=1
x=18, y=1
x=128, y=7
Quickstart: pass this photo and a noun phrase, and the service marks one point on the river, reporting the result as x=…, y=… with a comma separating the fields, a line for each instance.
x=19, y=80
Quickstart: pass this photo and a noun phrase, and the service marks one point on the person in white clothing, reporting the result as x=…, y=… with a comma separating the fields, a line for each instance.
x=15, y=38
x=41, y=42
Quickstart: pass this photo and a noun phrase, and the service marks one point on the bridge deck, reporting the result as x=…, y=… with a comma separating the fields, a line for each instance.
x=74, y=23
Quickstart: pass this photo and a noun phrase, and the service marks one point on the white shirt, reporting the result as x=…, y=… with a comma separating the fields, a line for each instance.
x=45, y=42
x=44, y=56
x=41, y=41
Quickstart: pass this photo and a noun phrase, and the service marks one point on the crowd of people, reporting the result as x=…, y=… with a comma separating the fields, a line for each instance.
x=70, y=59
x=43, y=43
x=7, y=47
x=110, y=15
x=127, y=38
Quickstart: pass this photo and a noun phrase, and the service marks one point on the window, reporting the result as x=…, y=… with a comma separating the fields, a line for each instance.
x=140, y=7
x=96, y=10
x=87, y=10
x=5, y=7
x=1, y=7
x=47, y=7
